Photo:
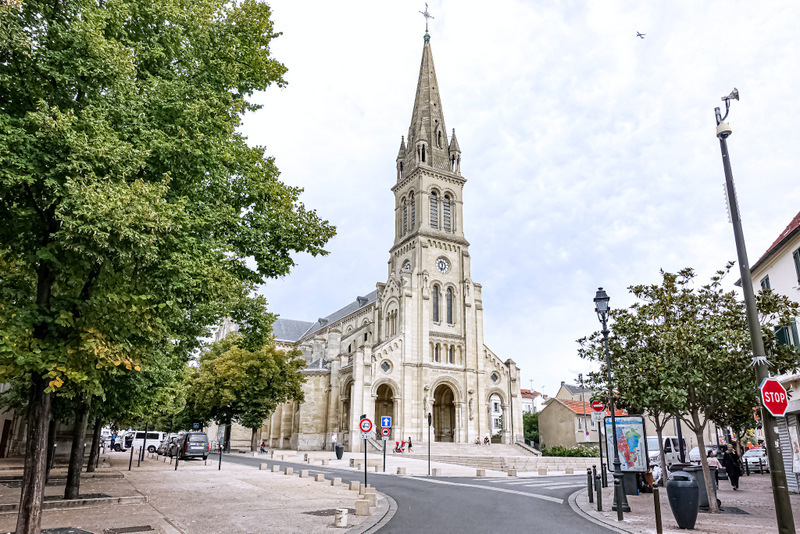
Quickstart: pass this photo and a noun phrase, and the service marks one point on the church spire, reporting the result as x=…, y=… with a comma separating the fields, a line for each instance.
x=427, y=135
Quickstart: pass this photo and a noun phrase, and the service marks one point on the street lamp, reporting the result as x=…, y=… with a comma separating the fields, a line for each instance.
x=780, y=493
x=620, y=501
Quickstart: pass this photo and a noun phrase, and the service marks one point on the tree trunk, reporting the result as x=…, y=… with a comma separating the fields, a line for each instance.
x=253, y=439
x=228, y=437
x=29, y=518
x=660, y=433
x=698, y=432
x=51, y=448
x=76, y=453
x=95, y=451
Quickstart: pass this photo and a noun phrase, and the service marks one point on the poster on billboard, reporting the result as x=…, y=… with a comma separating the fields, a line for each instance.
x=794, y=441
x=632, y=442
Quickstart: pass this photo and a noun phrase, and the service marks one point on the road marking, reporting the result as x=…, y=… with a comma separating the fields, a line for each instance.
x=490, y=488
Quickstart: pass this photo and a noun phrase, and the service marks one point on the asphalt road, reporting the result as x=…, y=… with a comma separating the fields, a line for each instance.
x=467, y=504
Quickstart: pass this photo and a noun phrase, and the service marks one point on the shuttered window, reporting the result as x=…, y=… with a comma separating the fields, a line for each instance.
x=446, y=213
x=796, y=256
x=434, y=210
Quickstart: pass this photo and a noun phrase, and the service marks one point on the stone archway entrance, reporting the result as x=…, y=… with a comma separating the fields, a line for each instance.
x=444, y=414
x=384, y=405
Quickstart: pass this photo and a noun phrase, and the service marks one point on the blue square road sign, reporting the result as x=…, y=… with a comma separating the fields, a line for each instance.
x=386, y=421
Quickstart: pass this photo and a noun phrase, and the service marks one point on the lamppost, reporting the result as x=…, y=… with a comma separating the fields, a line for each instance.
x=780, y=492
x=620, y=501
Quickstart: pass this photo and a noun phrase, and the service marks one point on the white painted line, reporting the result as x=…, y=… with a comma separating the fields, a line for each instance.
x=490, y=488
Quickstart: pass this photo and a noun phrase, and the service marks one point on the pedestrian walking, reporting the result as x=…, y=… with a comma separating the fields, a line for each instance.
x=113, y=439
x=713, y=462
x=730, y=461
x=409, y=444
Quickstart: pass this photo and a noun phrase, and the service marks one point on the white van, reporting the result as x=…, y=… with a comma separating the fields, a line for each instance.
x=672, y=454
x=136, y=439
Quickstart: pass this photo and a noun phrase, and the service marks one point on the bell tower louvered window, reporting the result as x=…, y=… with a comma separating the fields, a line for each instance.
x=449, y=305
x=405, y=217
x=413, y=210
x=436, y=304
x=446, y=213
x=434, y=211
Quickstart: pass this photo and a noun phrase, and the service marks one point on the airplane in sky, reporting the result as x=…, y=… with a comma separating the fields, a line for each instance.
x=640, y=35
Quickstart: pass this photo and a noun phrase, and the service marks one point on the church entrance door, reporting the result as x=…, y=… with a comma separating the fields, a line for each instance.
x=444, y=414
x=384, y=406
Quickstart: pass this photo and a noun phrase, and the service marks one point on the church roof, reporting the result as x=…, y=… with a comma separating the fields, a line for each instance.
x=427, y=117
x=323, y=322
x=289, y=329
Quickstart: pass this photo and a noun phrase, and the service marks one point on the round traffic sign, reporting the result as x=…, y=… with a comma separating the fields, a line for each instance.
x=385, y=431
x=773, y=397
x=597, y=406
x=366, y=425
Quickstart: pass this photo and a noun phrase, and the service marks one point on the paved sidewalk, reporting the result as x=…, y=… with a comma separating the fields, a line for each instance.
x=750, y=509
x=198, y=498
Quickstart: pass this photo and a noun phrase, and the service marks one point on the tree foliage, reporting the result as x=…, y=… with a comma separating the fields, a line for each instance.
x=235, y=384
x=530, y=426
x=685, y=350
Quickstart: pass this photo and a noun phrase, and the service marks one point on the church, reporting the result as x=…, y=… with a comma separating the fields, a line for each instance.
x=414, y=345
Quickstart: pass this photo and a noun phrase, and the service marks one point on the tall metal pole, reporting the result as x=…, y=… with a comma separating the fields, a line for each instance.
x=620, y=500
x=780, y=491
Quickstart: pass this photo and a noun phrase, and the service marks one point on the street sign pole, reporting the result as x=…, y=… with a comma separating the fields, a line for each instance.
x=780, y=491
x=430, y=422
x=384, y=456
x=365, y=425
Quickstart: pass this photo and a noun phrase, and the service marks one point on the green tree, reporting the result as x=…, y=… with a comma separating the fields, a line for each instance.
x=133, y=216
x=692, y=345
x=234, y=384
x=530, y=426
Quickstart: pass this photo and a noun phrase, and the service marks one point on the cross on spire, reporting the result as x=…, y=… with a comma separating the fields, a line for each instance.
x=427, y=16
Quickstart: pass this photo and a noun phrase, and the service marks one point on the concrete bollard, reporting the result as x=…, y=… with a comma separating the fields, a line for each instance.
x=512, y=472
x=276, y=468
x=263, y=467
x=325, y=462
x=355, y=485
x=288, y=471
x=336, y=481
x=304, y=473
x=319, y=477
x=363, y=489
x=362, y=507
x=436, y=471
x=401, y=470
x=570, y=470
x=542, y=471
x=372, y=496
x=305, y=458
x=340, y=519
x=352, y=462
x=480, y=472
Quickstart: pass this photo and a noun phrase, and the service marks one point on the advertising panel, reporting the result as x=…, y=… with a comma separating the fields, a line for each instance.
x=632, y=442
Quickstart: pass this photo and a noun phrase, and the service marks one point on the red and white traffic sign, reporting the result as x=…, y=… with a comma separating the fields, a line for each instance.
x=385, y=431
x=773, y=397
x=366, y=425
x=597, y=406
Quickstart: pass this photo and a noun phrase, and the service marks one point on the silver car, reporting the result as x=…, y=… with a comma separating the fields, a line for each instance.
x=757, y=460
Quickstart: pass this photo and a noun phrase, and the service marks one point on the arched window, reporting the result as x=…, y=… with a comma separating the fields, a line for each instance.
x=450, y=305
x=439, y=139
x=452, y=164
x=434, y=210
x=436, y=353
x=446, y=213
x=452, y=356
x=423, y=153
x=405, y=217
x=436, y=304
x=413, y=209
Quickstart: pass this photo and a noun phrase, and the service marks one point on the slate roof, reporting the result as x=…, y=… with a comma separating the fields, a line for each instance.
x=289, y=329
x=576, y=390
x=578, y=407
x=293, y=331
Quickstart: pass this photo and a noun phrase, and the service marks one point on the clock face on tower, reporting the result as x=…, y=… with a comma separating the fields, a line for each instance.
x=442, y=265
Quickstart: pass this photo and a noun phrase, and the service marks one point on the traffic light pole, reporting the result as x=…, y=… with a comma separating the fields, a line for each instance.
x=780, y=491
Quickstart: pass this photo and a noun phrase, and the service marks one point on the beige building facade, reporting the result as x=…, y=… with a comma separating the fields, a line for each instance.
x=414, y=345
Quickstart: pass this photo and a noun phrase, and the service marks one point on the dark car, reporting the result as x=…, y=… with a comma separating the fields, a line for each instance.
x=193, y=445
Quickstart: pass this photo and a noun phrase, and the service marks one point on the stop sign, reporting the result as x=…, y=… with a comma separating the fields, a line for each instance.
x=597, y=406
x=773, y=397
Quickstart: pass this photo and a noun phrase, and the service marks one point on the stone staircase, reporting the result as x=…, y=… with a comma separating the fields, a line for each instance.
x=498, y=457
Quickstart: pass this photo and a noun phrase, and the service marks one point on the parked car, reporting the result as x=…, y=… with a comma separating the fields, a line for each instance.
x=136, y=439
x=193, y=445
x=757, y=460
x=694, y=454
x=671, y=450
x=167, y=447
x=123, y=442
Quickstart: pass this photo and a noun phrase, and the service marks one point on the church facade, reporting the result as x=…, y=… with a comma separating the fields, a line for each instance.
x=413, y=346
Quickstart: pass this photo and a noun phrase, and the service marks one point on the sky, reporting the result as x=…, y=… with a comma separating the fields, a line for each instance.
x=590, y=154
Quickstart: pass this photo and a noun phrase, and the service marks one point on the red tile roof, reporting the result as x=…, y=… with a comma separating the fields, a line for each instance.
x=790, y=229
x=528, y=394
x=578, y=407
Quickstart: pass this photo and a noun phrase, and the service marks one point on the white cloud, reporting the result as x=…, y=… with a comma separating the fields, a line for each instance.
x=589, y=153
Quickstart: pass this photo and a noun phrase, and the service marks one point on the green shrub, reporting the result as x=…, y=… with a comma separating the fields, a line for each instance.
x=581, y=451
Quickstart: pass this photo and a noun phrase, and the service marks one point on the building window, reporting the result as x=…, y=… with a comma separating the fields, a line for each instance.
x=449, y=305
x=446, y=213
x=796, y=256
x=405, y=217
x=413, y=209
x=452, y=356
x=495, y=407
x=495, y=377
x=436, y=304
x=787, y=335
x=436, y=353
x=434, y=210
x=765, y=283
x=386, y=366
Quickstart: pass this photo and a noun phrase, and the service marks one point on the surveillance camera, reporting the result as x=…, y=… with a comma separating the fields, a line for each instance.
x=734, y=95
x=723, y=130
